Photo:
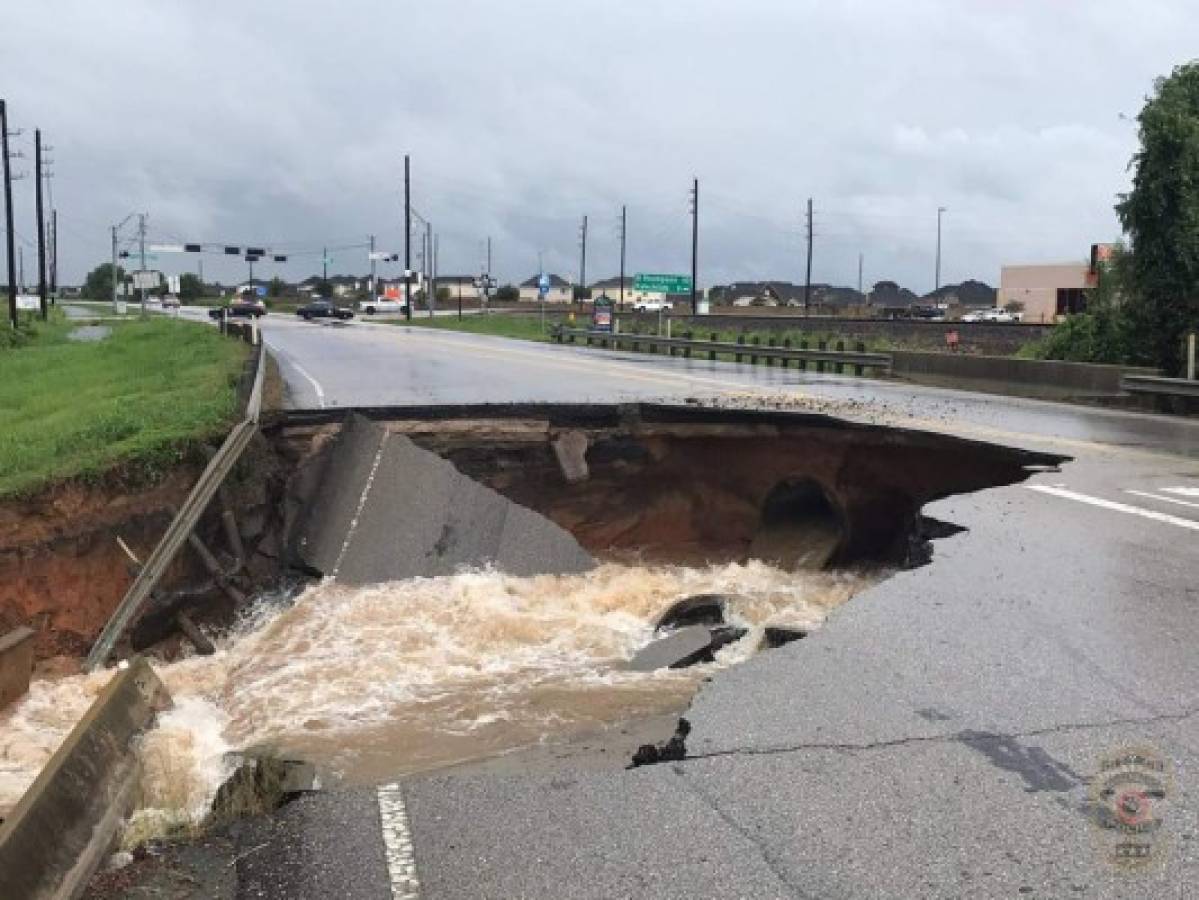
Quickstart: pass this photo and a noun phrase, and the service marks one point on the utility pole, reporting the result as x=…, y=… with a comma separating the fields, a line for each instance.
x=807, y=287
x=41, y=226
x=53, y=252
x=937, y=279
x=407, y=241
x=325, y=265
x=433, y=279
x=489, y=256
x=429, y=298
x=372, y=258
x=12, y=267
x=583, y=261
x=21, y=269
x=624, y=223
x=114, y=269
x=694, y=247
x=141, y=241
x=859, y=273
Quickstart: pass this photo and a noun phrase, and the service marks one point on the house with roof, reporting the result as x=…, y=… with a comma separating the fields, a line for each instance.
x=561, y=290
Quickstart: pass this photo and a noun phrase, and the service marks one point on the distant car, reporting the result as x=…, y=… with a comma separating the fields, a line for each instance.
x=324, y=309
x=240, y=309
x=170, y=302
x=381, y=305
x=651, y=305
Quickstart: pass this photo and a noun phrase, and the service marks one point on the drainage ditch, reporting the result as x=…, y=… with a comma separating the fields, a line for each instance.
x=460, y=624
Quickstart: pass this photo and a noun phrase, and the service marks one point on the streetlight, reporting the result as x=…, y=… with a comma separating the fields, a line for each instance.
x=116, y=229
x=940, y=212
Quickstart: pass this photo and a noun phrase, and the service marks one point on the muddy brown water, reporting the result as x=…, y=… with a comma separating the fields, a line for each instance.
x=379, y=682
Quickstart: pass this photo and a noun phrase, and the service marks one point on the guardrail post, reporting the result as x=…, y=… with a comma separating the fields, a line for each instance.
x=687, y=350
x=786, y=346
x=712, y=353
x=840, y=349
x=753, y=357
x=770, y=343
x=740, y=340
x=803, y=363
x=859, y=369
x=821, y=345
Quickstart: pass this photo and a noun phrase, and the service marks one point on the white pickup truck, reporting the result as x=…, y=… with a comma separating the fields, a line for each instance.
x=381, y=305
x=651, y=305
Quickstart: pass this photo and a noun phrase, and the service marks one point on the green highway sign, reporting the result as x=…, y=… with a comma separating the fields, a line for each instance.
x=663, y=284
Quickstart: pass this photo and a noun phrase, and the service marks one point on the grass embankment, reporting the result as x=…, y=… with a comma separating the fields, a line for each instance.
x=140, y=400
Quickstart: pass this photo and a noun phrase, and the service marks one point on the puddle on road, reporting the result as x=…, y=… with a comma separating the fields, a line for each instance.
x=372, y=683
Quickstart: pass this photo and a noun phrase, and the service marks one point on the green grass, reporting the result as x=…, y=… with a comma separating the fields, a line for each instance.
x=139, y=401
x=524, y=327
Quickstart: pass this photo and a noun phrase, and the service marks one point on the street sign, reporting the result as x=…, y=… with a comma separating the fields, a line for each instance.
x=173, y=284
x=543, y=285
x=601, y=314
x=662, y=284
x=146, y=280
x=260, y=291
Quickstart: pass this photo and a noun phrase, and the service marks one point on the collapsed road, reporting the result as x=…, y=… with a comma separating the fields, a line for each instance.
x=956, y=729
x=946, y=733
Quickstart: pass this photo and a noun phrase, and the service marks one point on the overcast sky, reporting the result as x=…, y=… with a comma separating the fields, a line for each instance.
x=284, y=123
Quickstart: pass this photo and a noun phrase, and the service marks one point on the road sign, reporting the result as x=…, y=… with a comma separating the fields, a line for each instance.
x=543, y=285
x=260, y=291
x=173, y=284
x=663, y=284
x=146, y=280
x=601, y=314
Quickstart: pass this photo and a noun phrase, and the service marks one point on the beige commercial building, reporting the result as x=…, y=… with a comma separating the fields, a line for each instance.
x=1046, y=292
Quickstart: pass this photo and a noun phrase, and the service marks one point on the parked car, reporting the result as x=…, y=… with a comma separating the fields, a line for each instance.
x=381, y=305
x=170, y=301
x=240, y=309
x=651, y=305
x=324, y=309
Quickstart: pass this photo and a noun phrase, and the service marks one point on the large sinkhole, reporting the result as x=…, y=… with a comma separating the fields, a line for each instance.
x=415, y=588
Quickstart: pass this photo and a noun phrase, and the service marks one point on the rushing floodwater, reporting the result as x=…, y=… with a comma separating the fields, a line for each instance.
x=377, y=682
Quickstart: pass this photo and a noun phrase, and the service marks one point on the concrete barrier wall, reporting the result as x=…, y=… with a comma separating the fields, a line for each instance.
x=67, y=821
x=1049, y=379
x=16, y=664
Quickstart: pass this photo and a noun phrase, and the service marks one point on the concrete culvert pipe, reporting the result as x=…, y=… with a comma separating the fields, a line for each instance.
x=801, y=528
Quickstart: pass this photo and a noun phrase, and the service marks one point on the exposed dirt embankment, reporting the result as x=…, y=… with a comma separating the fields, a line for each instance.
x=62, y=571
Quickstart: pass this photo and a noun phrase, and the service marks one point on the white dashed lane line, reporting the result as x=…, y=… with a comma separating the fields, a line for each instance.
x=1173, y=500
x=397, y=840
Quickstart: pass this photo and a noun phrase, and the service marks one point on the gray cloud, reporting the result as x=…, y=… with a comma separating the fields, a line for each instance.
x=285, y=123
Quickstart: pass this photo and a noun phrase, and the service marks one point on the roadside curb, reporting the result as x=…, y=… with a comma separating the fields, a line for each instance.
x=66, y=821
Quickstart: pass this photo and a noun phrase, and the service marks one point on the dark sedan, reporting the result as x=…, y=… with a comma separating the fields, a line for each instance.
x=324, y=309
x=243, y=309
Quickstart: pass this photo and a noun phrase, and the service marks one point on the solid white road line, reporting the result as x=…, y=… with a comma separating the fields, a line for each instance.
x=1114, y=506
x=397, y=840
x=1163, y=499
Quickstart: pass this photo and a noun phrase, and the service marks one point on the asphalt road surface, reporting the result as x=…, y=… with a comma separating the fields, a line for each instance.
x=959, y=730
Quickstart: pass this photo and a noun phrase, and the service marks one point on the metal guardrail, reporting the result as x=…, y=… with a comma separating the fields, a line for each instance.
x=856, y=358
x=184, y=522
x=1152, y=384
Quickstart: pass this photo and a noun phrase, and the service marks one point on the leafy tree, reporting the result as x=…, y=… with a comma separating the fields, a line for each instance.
x=323, y=288
x=191, y=288
x=1161, y=216
x=509, y=293
x=1013, y=306
x=443, y=294
x=277, y=287
x=98, y=285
